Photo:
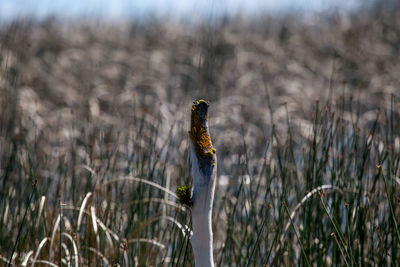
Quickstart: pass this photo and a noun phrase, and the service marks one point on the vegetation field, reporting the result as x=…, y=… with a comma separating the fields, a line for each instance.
x=304, y=114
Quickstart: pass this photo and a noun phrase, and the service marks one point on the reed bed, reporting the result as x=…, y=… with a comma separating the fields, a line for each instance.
x=305, y=116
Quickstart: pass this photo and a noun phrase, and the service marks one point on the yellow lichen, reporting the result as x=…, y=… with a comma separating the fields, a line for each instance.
x=198, y=133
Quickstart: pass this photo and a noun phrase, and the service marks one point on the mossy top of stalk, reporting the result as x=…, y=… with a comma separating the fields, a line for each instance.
x=200, y=136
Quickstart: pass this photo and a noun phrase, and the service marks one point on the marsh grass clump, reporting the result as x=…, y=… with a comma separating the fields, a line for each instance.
x=325, y=197
x=93, y=143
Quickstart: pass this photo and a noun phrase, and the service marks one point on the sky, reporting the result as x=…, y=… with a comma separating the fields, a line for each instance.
x=125, y=9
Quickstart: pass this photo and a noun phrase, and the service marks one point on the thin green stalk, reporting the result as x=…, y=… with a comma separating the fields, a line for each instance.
x=61, y=219
x=257, y=241
x=298, y=238
x=337, y=229
x=22, y=223
x=391, y=206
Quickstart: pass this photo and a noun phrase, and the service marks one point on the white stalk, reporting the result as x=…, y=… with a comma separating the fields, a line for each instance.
x=203, y=196
x=203, y=171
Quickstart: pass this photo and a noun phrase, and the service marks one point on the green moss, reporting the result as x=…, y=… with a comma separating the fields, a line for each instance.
x=184, y=194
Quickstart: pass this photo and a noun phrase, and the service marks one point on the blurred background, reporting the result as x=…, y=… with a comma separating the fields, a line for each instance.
x=96, y=60
x=92, y=91
x=126, y=9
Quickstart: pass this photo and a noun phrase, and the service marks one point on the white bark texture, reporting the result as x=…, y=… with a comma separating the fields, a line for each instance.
x=203, y=196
